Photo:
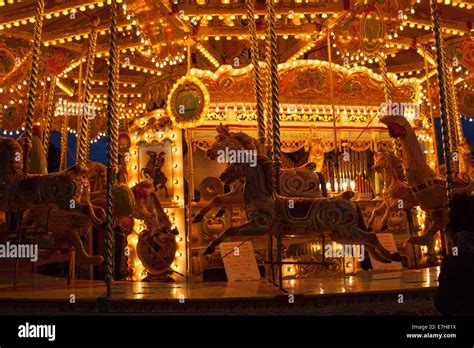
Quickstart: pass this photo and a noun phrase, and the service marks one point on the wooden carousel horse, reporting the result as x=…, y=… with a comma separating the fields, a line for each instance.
x=66, y=193
x=291, y=180
x=301, y=181
x=140, y=202
x=153, y=171
x=270, y=213
x=310, y=183
x=396, y=193
x=428, y=188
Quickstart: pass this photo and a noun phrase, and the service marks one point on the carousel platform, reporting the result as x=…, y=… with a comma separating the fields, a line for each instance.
x=407, y=292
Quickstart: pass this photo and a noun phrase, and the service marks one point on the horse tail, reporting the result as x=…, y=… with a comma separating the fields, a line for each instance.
x=322, y=182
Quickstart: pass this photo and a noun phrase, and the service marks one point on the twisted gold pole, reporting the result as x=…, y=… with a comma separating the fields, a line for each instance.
x=457, y=119
x=451, y=112
x=112, y=143
x=430, y=101
x=440, y=57
x=64, y=135
x=257, y=79
x=274, y=106
x=33, y=84
x=49, y=116
x=454, y=121
x=397, y=148
x=333, y=114
x=386, y=81
x=268, y=87
x=83, y=144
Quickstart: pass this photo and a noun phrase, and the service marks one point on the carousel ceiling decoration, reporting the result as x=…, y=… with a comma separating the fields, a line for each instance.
x=305, y=82
x=155, y=36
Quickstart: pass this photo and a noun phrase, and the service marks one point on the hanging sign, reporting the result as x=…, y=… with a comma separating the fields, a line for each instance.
x=188, y=102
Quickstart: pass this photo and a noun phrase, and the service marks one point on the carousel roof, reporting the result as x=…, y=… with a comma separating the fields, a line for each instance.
x=155, y=36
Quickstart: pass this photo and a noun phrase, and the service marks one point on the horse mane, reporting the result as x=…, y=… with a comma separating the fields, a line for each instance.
x=268, y=167
x=246, y=140
x=397, y=162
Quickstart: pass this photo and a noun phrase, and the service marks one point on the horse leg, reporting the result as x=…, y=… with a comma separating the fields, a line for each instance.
x=375, y=212
x=215, y=202
x=247, y=229
x=200, y=216
x=433, y=223
x=376, y=255
x=385, y=216
x=354, y=235
x=81, y=251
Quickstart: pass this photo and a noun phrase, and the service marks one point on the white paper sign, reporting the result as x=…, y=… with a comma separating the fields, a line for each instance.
x=239, y=261
x=387, y=240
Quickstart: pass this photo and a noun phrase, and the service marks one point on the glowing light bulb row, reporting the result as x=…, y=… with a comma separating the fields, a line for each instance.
x=207, y=55
x=49, y=14
x=299, y=108
x=419, y=25
x=170, y=60
x=306, y=48
x=139, y=68
x=5, y=2
x=454, y=3
x=80, y=36
x=104, y=83
x=13, y=132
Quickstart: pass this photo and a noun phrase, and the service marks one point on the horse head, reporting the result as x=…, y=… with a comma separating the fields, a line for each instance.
x=232, y=140
x=397, y=125
x=381, y=161
x=386, y=160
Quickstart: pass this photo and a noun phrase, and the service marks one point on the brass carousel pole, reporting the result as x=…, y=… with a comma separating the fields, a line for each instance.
x=30, y=111
x=274, y=106
x=457, y=119
x=430, y=101
x=388, y=99
x=331, y=100
x=263, y=140
x=257, y=86
x=451, y=114
x=268, y=85
x=189, y=141
x=112, y=141
x=83, y=143
x=32, y=86
x=64, y=141
x=273, y=114
x=440, y=60
x=49, y=116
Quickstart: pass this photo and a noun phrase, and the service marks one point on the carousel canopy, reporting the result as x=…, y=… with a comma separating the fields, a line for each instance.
x=157, y=40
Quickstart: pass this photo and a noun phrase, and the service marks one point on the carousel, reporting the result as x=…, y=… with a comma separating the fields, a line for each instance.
x=231, y=156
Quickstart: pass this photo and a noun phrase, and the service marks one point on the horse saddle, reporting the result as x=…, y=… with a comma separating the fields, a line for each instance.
x=299, y=209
